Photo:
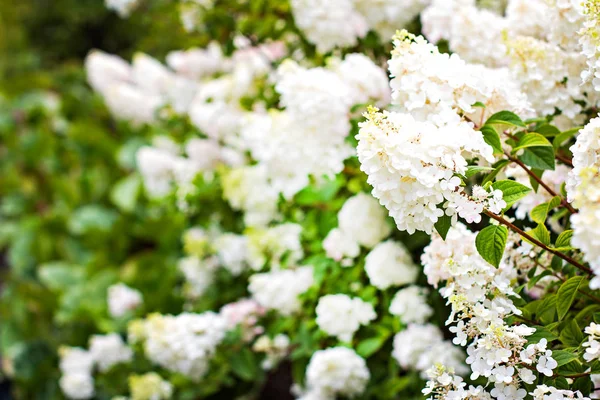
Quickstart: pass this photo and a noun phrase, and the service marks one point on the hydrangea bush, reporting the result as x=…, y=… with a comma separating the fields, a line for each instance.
x=331, y=199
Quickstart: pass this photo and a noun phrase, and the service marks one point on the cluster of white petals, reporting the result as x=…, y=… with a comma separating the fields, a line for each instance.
x=592, y=344
x=361, y=222
x=583, y=190
x=341, y=315
x=122, y=299
x=387, y=16
x=390, y=264
x=275, y=349
x=122, y=7
x=245, y=314
x=279, y=290
x=150, y=386
x=76, y=366
x=183, y=343
x=335, y=371
x=275, y=246
x=410, y=304
x=109, y=350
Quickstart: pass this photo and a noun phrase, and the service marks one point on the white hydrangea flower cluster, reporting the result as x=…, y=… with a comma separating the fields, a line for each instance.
x=543, y=392
x=232, y=251
x=279, y=290
x=335, y=371
x=590, y=42
x=199, y=274
x=150, y=386
x=497, y=351
x=183, y=343
x=77, y=365
x=390, y=264
x=419, y=346
x=122, y=299
x=122, y=7
x=412, y=166
x=444, y=384
x=387, y=16
x=592, y=345
x=410, y=304
x=329, y=24
x=361, y=222
x=583, y=191
x=305, y=93
x=275, y=349
x=341, y=315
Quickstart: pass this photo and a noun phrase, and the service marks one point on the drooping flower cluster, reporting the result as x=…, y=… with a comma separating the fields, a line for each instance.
x=389, y=264
x=335, y=371
x=183, y=343
x=341, y=315
x=479, y=295
x=583, y=191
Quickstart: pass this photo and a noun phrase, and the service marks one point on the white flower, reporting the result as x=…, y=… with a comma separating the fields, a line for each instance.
x=276, y=349
x=274, y=245
x=122, y=7
x=340, y=246
x=390, y=264
x=150, y=386
x=123, y=299
x=75, y=359
x=104, y=70
x=232, y=251
x=329, y=24
x=387, y=16
x=368, y=81
x=197, y=63
x=109, y=350
x=340, y=315
x=410, y=304
x=199, y=274
x=364, y=220
x=337, y=371
x=77, y=385
x=279, y=290
x=184, y=343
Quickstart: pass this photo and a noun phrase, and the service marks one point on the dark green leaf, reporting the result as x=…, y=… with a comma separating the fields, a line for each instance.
x=490, y=243
x=566, y=295
x=563, y=357
x=443, y=225
x=492, y=138
x=539, y=157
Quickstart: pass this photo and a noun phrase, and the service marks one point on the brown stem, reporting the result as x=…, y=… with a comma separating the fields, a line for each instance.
x=564, y=159
x=537, y=242
x=563, y=201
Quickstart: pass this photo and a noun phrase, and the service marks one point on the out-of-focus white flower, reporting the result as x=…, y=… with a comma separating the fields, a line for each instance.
x=109, y=350
x=198, y=63
x=123, y=299
x=410, y=304
x=336, y=371
x=279, y=290
x=329, y=24
x=77, y=385
x=340, y=246
x=275, y=349
x=274, y=245
x=244, y=313
x=122, y=7
x=232, y=251
x=340, y=315
x=184, y=343
x=149, y=386
x=364, y=220
x=387, y=16
x=368, y=81
x=390, y=264
x=199, y=274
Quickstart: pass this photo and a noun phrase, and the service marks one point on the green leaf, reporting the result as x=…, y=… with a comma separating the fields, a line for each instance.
x=571, y=335
x=492, y=138
x=539, y=157
x=478, y=104
x=540, y=233
x=368, y=347
x=244, y=365
x=506, y=118
x=546, y=311
x=564, y=136
x=443, y=225
x=563, y=241
x=540, y=212
x=60, y=275
x=125, y=193
x=512, y=191
x=491, y=242
x=566, y=295
x=547, y=130
x=563, y=357
x=498, y=167
x=532, y=139
x=476, y=169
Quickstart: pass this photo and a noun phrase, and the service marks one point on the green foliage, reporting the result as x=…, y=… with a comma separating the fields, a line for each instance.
x=491, y=242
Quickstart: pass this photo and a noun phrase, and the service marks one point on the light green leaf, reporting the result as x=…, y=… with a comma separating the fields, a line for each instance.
x=60, y=275
x=506, y=118
x=512, y=191
x=563, y=242
x=244, y=365
x=540, y=212
x=491, y=242
x=563, y=357
x=476, y=169
x=125, y=193
x=547, y=130
x=368, y=347
x=492, y=138
x=564, y=136
x=532, y=139
x=566, y=295
x=540, y=233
